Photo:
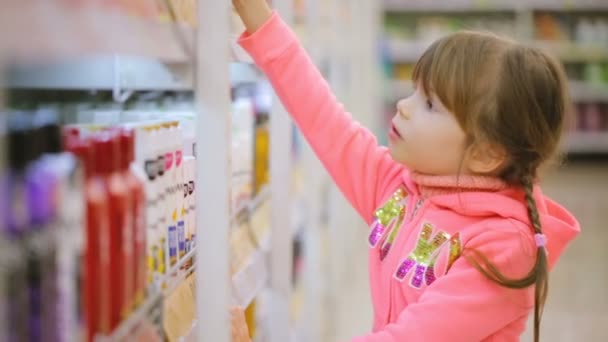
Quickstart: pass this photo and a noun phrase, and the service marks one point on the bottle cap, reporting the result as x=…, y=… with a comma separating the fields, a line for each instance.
x=103, y=150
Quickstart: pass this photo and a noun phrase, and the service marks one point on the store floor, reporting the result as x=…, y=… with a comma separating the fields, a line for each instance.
x=577, y=308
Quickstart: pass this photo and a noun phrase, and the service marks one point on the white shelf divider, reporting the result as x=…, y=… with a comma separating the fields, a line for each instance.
x=213, y=170
x=280, y=243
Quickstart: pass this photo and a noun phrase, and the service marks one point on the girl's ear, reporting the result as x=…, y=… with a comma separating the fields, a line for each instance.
x=485, y=158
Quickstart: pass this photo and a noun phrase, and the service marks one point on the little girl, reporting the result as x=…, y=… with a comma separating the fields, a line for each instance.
x=461, y=237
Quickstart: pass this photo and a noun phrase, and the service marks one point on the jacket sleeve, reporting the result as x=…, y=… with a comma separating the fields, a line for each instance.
x=361, y=169
x=463, y=305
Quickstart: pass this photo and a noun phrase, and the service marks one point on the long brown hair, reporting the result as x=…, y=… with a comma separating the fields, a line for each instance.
x=506, y=94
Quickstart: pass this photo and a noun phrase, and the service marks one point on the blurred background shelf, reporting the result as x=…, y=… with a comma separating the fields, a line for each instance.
x=408, y=51
x=575, y=32
x=579, y=91
x=491, y=5
x=56, y=30
x=451, y=6
x=569, y=52
x=587, y=143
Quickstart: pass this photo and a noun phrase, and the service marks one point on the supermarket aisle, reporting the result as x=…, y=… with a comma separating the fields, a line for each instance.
x=577, y=309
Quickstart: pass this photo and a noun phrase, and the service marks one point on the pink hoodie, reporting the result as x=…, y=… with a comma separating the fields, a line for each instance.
x=422, y=290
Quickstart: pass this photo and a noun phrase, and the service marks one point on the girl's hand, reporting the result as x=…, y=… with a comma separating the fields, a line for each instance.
x=240, y=331
x=254, y=13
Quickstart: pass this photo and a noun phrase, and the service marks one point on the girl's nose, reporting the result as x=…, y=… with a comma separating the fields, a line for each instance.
x=403, y=109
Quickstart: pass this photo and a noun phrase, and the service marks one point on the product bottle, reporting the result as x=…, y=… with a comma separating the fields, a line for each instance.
x=15, y=222
x=63, y=315
x=138, y=196
x=41, y=186
x=119, y=213
x=94, y=300
x=4, y=243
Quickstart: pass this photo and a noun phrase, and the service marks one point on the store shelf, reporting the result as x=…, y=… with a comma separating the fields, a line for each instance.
x=586, y=142
x=108, y=72
x=406, y=51
x=191, y=335
x=104, y=73
x=158, y=291
x=451, y=6
x=55, y=30
x=491, y=5
x=135, y=319
x=579, y=91
x=588, y=92
x=571, y=52
x=247, y=282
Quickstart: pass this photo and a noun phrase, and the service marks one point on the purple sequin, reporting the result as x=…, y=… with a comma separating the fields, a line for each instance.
x=376, y=234
x=418, y=275
x=430, y=275
x=405, y=267
x=384, y=251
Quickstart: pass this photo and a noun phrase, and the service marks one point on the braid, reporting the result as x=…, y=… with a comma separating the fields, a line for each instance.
x=540, y=268
x=532, y=209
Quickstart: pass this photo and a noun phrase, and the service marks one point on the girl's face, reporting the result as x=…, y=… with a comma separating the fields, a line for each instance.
x=425, y=136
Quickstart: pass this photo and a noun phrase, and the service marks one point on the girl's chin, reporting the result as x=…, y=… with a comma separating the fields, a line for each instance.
x=398, y=154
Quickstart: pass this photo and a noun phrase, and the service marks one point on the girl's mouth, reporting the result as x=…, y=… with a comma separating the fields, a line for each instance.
x=393, y=133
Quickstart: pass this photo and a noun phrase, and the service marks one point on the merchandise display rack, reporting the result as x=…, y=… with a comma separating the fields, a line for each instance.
x=524, y=18
x=90, y=48
x=241, y=254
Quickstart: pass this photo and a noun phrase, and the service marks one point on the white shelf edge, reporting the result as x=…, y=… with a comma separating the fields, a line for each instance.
x=99, y=73
x=252, y=277
x=133, y=73
x=157, y=292
x=586, y=142
x=127, y=326
x=572, y=51
x=190, y=336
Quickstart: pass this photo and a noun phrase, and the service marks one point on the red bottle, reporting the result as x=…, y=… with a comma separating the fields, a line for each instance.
x=94, y=301
x=138, y=229
x=107, y=160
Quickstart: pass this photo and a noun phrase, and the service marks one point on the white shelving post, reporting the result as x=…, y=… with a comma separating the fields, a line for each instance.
x=313, y=277
x=281, y=233
x=340, y=212
x=212, y=92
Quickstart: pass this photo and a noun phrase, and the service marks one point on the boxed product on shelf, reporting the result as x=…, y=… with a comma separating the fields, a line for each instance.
x=190, y=201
